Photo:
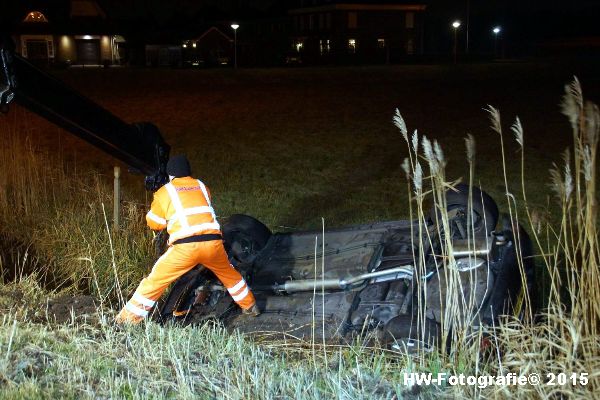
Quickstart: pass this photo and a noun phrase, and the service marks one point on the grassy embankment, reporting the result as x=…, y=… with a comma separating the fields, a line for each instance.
x=62, y=224
x=64, y=241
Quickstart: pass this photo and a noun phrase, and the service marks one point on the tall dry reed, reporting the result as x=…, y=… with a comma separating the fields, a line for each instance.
x=57, y=213
x=563, y=336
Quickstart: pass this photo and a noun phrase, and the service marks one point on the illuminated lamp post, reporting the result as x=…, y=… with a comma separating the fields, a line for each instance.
x=455, y=25
x=496, y=32
x=235, y=28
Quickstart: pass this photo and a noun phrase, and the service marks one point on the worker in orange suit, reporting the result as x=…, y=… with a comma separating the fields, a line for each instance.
x=183, y=206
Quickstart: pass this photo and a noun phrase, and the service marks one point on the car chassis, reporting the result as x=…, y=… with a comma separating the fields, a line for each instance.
x=361, y=280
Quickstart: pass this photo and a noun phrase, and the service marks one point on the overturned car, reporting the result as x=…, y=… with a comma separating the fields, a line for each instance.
x=363, y=280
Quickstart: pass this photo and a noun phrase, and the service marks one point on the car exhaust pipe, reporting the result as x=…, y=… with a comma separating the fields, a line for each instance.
x=306, y=285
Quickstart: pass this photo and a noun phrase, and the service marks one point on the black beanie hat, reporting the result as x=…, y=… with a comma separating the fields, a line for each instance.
x=179, y=166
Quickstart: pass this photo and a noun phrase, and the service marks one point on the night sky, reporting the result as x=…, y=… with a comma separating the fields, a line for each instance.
x=535, y=17
x=561, y=16
x=523, y=22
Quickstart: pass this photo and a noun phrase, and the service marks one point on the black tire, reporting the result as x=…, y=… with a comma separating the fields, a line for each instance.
x=485, y=211
x=179, y=294
x=507, y=280
x=244, y=238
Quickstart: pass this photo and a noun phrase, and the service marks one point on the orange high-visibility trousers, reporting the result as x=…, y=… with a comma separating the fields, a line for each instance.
x=176, y=261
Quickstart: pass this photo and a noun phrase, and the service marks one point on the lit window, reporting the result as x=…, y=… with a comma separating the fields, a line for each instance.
x=194, y=44
x=352, y=20
x=325, y=46
x=352, y=45
x=381, y=43
x=410, y=20
x=298, y=45
x=35, y=16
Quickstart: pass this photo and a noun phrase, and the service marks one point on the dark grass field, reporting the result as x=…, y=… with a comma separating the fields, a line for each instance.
x=290, y=146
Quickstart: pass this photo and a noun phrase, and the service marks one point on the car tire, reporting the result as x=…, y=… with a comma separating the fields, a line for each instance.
x=244, y=238
x=506, y=279
x=179, y=294
x=484, y=210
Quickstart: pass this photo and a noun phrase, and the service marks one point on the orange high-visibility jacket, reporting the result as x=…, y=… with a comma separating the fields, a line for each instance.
x=183, y=207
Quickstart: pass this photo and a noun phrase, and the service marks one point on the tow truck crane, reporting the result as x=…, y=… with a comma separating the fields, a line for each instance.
x=140, y=146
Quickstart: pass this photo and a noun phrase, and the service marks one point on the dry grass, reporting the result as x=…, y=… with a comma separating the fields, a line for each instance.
x=564, y=337
x=566, y=340
x=55, y=223
x=89, y=357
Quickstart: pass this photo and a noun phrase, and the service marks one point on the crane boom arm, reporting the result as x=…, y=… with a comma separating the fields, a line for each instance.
x=140, y=145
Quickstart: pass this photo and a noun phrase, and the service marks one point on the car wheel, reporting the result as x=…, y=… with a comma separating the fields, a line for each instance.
x=178, y=298
x=484, y=212
x=505, y=294
x=244, y=238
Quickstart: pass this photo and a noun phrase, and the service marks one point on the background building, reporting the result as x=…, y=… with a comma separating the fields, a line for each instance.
x=210, y=49
x=304, y=33
x=353, y=32
x=73, y=33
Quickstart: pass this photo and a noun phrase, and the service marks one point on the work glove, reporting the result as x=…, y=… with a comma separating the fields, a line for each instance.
x=160, y=243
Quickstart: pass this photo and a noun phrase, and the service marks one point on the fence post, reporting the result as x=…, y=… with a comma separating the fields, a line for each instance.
x=117, y=198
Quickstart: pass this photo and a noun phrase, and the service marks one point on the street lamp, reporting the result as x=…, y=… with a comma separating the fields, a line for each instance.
x=496, y=31
x=235, y=27
x=455, y=25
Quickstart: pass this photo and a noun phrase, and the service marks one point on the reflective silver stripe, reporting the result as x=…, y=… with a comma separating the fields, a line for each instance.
x=156, y=218
x=179, y=212
x=203, y=188
x=194, y=229
x=143, y=300
x=236, y=288
x=182, y=213
x=199, y=210
x=134, y=310
x=241, y=295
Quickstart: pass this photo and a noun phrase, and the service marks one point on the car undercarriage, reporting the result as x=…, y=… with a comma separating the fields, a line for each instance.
x=362, y=280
